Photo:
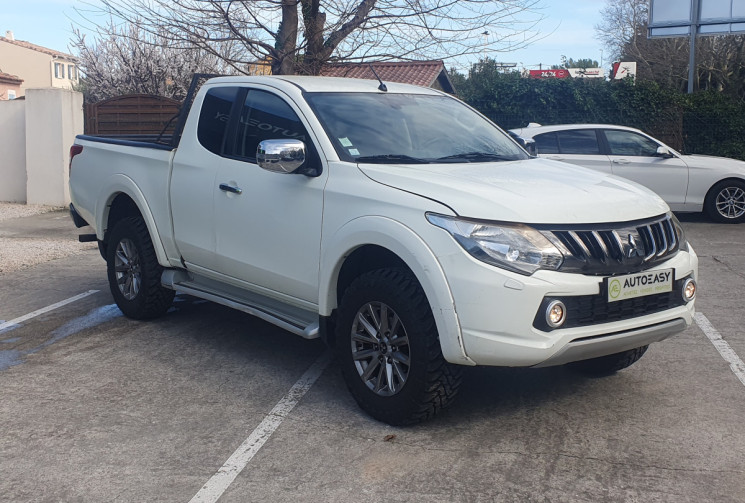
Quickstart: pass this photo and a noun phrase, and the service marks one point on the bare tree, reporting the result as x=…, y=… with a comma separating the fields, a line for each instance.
x=129, y=60
x=299, y=36
x=623, y=22
x=720, y=60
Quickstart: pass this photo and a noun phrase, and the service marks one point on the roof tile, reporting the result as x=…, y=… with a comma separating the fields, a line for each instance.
x=10, y=79
x=38, y=48
x=420, y=73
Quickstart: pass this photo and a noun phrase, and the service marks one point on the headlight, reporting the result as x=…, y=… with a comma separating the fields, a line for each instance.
x=514, y=247
x=682, y=242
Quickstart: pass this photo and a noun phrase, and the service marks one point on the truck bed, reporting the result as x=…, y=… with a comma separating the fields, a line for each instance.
x=162, y=142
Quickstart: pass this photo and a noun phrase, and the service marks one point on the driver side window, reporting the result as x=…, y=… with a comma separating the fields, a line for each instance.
x=265, y=116
x=630, y=143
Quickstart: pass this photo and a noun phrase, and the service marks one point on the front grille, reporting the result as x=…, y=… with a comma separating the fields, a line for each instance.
x=616, y=248
x=587, y=310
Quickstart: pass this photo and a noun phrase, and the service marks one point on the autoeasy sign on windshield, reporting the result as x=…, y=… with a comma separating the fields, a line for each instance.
x=639, y=285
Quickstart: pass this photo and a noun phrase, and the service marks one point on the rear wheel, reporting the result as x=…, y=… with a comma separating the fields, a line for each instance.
x=134, y=272
x=607, y=365
x=726, y=202
x=389, y=350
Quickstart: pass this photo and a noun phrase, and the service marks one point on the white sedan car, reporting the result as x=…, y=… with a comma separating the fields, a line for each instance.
x=688, y=183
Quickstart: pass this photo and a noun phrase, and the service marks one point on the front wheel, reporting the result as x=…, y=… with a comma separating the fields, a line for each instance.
x=134, y=272
x=607, y=365
x=726, y=202
x=389, y=351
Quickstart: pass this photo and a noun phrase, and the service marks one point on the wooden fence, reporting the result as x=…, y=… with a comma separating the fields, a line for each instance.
x=132, y=114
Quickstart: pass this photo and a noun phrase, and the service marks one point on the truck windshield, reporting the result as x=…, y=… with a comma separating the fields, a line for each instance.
x=409, y=128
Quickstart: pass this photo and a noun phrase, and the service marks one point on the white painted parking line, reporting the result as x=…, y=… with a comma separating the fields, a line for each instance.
x=729, y=355
x=220, y=481
x=34, y=314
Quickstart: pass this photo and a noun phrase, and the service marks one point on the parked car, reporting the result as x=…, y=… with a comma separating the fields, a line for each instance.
x=687, y=183
x=396, y=223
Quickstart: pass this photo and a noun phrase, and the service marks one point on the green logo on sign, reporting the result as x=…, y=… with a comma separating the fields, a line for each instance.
x=615, y=289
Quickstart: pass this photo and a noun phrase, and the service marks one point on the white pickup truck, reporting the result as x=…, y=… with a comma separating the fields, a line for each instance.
x=395, y=222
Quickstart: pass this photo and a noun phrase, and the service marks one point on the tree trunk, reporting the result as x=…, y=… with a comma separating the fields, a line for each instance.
x=283, y=63
x=314, y=21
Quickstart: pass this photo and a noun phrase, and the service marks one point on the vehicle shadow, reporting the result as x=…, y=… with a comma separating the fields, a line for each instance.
x=223, y=336
x=694, y=218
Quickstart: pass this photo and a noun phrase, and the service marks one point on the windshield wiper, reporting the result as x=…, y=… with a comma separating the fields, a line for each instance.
x=476, y=157
x=392, y=158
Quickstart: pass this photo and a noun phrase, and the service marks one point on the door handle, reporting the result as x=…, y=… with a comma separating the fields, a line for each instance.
x=621, y=161
x=229, y=188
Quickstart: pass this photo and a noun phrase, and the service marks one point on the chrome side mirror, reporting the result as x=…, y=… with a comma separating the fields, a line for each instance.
x=663, y=151
x=280, y=156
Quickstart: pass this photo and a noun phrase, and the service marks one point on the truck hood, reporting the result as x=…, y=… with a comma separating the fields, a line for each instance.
x=538, y=191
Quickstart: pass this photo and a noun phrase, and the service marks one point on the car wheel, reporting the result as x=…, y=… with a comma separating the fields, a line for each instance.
x=726, y=202
x=134, y=272
x=607, y=365
x=389, y=350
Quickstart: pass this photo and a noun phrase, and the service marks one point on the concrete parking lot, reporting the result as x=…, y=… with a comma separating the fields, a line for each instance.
x=97, y=407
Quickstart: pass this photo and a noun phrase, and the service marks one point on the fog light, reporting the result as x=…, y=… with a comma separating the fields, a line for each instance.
x=556, y=314
x=689, y=290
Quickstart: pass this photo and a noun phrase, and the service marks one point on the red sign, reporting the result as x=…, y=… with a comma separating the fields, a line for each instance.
x=549, y=74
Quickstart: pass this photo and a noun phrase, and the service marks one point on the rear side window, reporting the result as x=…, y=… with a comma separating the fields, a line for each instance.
x=630, y=143
x=265, y=116
x=213, y=118
x=546, y=143
x=578, y=141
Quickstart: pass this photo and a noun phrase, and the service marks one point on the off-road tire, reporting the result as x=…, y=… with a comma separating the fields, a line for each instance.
x=432, y=383
x=151, y=299
x=608, y=365
x=724, y=194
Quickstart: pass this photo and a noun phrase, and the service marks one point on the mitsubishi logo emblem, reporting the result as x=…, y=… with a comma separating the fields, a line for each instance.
x=634, y=250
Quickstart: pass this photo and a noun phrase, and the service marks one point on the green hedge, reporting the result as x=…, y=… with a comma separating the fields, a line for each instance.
x=702, y=123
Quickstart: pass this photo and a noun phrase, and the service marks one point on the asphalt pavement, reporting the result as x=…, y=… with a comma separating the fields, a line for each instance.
x=207, y=403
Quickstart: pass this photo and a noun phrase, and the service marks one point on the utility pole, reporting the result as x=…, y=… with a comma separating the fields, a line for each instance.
x=695, y=16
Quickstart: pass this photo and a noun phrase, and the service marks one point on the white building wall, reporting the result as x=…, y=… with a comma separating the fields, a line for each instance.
x=53, y=118
x=33, y=67
x=13, y=151
x=35, y=139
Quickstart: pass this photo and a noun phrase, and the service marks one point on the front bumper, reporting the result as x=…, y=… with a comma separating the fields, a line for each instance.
x=497, y=312
x=593, y=347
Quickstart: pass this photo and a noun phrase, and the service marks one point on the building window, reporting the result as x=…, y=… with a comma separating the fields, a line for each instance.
x=59, y=71
x=11, y=94
x=72, y=72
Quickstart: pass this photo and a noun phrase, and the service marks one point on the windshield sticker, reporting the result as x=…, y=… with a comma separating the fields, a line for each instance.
x=345, y=142
x=354, y=151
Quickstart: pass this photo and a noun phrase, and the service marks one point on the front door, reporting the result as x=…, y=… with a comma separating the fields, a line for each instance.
x=268, y=225
x=634, y=156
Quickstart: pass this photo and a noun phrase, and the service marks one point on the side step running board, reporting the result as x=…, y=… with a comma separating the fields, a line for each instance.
x=294, y=320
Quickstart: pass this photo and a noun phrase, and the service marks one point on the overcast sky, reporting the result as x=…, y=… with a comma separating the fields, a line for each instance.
x=568, y=29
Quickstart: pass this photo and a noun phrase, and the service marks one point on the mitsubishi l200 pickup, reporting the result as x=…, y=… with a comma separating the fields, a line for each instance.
x=397, y=223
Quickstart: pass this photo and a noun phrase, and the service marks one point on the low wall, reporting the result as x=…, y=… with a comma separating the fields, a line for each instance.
x=13, y=151
x=35, y=163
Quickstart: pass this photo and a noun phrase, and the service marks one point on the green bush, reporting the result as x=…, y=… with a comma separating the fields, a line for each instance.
x=702, y=123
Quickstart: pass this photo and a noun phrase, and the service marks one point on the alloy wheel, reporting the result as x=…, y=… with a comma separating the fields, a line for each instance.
x=127, y=269
x=380, y=348
x=730, y=202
